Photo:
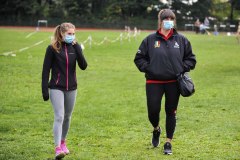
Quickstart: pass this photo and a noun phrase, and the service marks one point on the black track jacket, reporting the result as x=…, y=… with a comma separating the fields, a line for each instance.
x=63, y=68
x=156, y=56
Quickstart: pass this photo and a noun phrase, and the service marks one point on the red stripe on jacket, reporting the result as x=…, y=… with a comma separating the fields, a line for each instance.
x=160, y=82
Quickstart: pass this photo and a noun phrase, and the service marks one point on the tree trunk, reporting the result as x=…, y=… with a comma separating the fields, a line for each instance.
x=231, y=14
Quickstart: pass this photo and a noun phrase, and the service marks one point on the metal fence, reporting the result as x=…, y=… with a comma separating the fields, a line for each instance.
x=220, y=27
x=151, y=24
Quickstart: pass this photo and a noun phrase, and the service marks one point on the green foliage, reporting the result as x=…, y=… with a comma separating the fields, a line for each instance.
x=110, y=117
x=221, y=10
x=113, y=13
x=235, y=4
x=202, y=9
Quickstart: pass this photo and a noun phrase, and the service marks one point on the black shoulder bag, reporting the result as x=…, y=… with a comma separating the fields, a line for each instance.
x=185, y=83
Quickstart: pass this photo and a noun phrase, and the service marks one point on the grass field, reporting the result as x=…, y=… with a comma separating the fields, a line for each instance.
x=110, y=117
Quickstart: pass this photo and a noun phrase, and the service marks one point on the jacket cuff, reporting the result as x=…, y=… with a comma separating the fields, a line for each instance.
x=45, y=97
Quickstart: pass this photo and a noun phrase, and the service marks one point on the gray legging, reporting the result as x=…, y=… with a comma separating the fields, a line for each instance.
x=63, y=103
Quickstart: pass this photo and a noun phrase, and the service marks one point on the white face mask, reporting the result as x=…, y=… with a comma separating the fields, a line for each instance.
x=168, y=24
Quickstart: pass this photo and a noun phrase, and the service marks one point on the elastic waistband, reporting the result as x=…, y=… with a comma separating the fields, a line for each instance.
x=161, y=82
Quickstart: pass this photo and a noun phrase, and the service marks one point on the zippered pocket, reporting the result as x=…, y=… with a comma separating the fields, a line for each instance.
x=58, y=78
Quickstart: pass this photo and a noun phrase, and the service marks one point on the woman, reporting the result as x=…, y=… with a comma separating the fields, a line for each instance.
x=238, y=33
x=61, y=57
x=156, y=56
x=197, y=26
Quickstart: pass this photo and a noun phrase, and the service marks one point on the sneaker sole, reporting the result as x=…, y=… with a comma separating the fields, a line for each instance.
x=167, y=153
x=155, y=146
x=66, y=153
x=158, y=143
x=61, y=155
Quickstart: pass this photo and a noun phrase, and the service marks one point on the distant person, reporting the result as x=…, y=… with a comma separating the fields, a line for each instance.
x=215, y=32
x=206, y=22
x=157, y=56
x=238, y=33
x=197, y=26
x=202, y=28
x=61, y=57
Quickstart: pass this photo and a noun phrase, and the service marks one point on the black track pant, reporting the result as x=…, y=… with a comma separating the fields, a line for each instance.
x=155, y=93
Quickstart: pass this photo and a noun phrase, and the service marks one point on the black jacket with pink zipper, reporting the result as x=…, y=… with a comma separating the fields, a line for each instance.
x=63, y=68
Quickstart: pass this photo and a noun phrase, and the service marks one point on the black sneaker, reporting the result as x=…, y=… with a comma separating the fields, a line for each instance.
x=155, y=137
x=167, y=148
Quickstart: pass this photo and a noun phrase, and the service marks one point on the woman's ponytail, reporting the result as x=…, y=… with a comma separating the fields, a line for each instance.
x=56, y=42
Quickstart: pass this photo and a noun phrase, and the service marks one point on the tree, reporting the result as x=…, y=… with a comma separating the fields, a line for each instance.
x=220, y=9
x=76, y=9
x=182, y=11
x=188, y=11
x=202, y=9
x=235, y=4
x=114, y=12
x=135, y=8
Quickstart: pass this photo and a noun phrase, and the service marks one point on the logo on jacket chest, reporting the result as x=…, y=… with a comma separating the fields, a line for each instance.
x=176, y=45
x=157, y=44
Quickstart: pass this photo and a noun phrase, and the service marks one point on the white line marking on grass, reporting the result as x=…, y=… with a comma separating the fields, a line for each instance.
x=7, y=53
x=127, y=35
x=22, y=49
x=30, y=34
x=38, y=43
x=11, y=53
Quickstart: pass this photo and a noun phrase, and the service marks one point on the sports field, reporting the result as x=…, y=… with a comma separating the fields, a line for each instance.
x=110, y=117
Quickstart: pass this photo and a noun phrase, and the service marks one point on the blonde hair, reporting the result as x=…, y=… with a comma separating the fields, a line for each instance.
x=166, y=13
x=58, y=35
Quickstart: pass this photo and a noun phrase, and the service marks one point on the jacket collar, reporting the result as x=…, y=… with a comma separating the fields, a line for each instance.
x=67, y=44
x=173, y=32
